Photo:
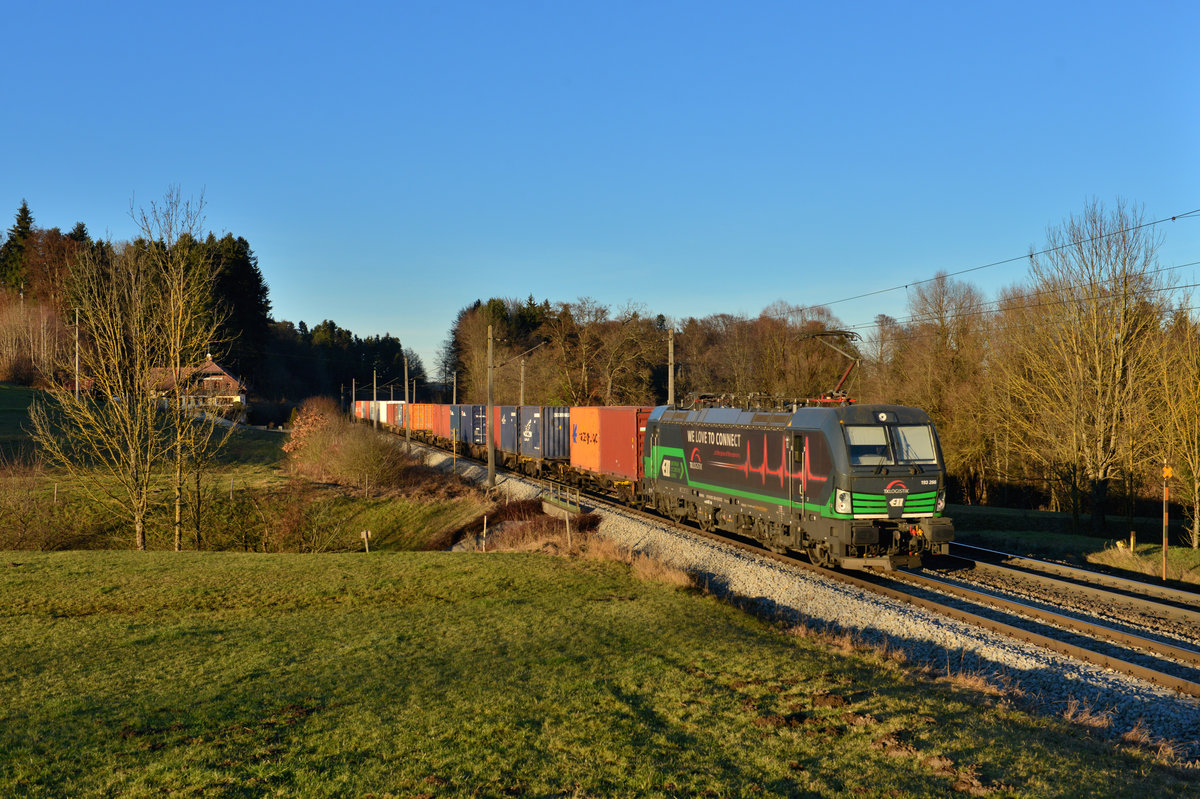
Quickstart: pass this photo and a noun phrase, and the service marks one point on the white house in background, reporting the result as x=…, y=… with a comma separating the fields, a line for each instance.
x=207, y=386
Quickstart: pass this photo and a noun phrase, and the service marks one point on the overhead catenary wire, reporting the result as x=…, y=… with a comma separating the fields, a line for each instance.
x=1188, y=215
x=904, y=334
x=1006, y=303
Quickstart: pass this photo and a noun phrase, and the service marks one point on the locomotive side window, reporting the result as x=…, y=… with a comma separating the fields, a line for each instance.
x=914, y=444
x=868, y=445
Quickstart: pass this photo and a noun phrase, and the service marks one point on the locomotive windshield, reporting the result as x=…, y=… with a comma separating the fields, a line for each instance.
x=888, y=445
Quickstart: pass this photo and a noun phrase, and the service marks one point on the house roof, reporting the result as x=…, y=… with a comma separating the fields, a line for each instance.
x=206, y=371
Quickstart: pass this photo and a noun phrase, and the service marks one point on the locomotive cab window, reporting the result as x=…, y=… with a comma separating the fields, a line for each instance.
x=914, y=444
x=868, y=445
x=888, y=445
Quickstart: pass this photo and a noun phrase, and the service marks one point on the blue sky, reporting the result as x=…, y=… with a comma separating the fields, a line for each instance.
x=389, y=163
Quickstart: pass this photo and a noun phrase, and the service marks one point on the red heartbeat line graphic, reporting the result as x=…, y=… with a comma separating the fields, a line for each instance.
x=764, y=470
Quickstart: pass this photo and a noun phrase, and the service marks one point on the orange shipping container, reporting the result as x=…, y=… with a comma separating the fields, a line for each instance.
x=420, y=416
x=585, y=439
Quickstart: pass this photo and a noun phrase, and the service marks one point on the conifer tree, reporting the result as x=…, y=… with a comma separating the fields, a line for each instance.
x=12, y=254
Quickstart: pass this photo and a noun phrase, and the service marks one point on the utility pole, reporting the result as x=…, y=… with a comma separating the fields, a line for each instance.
x=77, y=355
x=353, y=389
x=491, y=443
x=454, y=395
x=522, y=402
x=671, y=367
x=375, y=399
x=407, y=409
x=1167, y=472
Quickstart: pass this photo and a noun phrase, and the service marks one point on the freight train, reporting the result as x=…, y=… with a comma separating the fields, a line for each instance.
x=853, y=486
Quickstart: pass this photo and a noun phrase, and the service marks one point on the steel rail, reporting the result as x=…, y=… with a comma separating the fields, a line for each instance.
x=1189, y=600
x=1047, y=642
x=1185, y=655
x=1095, y=590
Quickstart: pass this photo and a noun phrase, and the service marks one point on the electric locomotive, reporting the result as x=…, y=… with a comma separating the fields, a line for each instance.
x=855, y=486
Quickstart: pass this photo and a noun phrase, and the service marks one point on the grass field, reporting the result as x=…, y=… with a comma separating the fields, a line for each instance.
x=440, y=674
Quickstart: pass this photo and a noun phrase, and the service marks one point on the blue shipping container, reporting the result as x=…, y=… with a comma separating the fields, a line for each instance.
x=556, y=432
x=529, y=433
x=508, y=428
x=475, y=420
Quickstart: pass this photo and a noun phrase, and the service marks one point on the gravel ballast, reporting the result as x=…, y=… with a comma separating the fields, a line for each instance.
x=1048, y=682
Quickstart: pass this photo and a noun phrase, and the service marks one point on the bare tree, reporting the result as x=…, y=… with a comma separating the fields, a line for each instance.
x=574, y=332
x=171, y=232
x=1083, y=347
x=622, y=359
x=113, y=436
x=1177, y=419
x=143, y=315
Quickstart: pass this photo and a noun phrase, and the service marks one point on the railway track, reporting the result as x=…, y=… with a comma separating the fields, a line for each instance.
x=1151, y=658
x=1172, y=602
x=1172, y=666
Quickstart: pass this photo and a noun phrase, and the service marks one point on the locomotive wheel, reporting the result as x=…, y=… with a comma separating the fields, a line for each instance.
x=818, y=555
x=706, y=518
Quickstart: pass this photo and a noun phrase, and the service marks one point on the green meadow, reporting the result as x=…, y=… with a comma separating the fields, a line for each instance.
x=446, y=674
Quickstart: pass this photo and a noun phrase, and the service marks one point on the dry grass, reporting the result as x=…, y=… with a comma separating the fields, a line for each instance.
x=1183, y=563
x=974, y=681
x=523, y=527
x=1085, y=715
x=1166, y=753
x=1138, y=736
x=846, y=642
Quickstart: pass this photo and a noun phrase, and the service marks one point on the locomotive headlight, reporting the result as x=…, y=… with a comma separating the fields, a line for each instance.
x=841, y=502
x=940, y=505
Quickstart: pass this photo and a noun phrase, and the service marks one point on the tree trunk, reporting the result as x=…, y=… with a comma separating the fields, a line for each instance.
x=178, y=495
x=1195, y=515
x=1099, y=507
x=139, y=532
x=197, y=510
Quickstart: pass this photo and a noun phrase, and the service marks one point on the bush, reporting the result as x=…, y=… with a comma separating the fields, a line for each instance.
x=325, y=446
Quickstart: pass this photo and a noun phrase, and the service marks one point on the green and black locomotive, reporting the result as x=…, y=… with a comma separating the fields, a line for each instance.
x=852, y=485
